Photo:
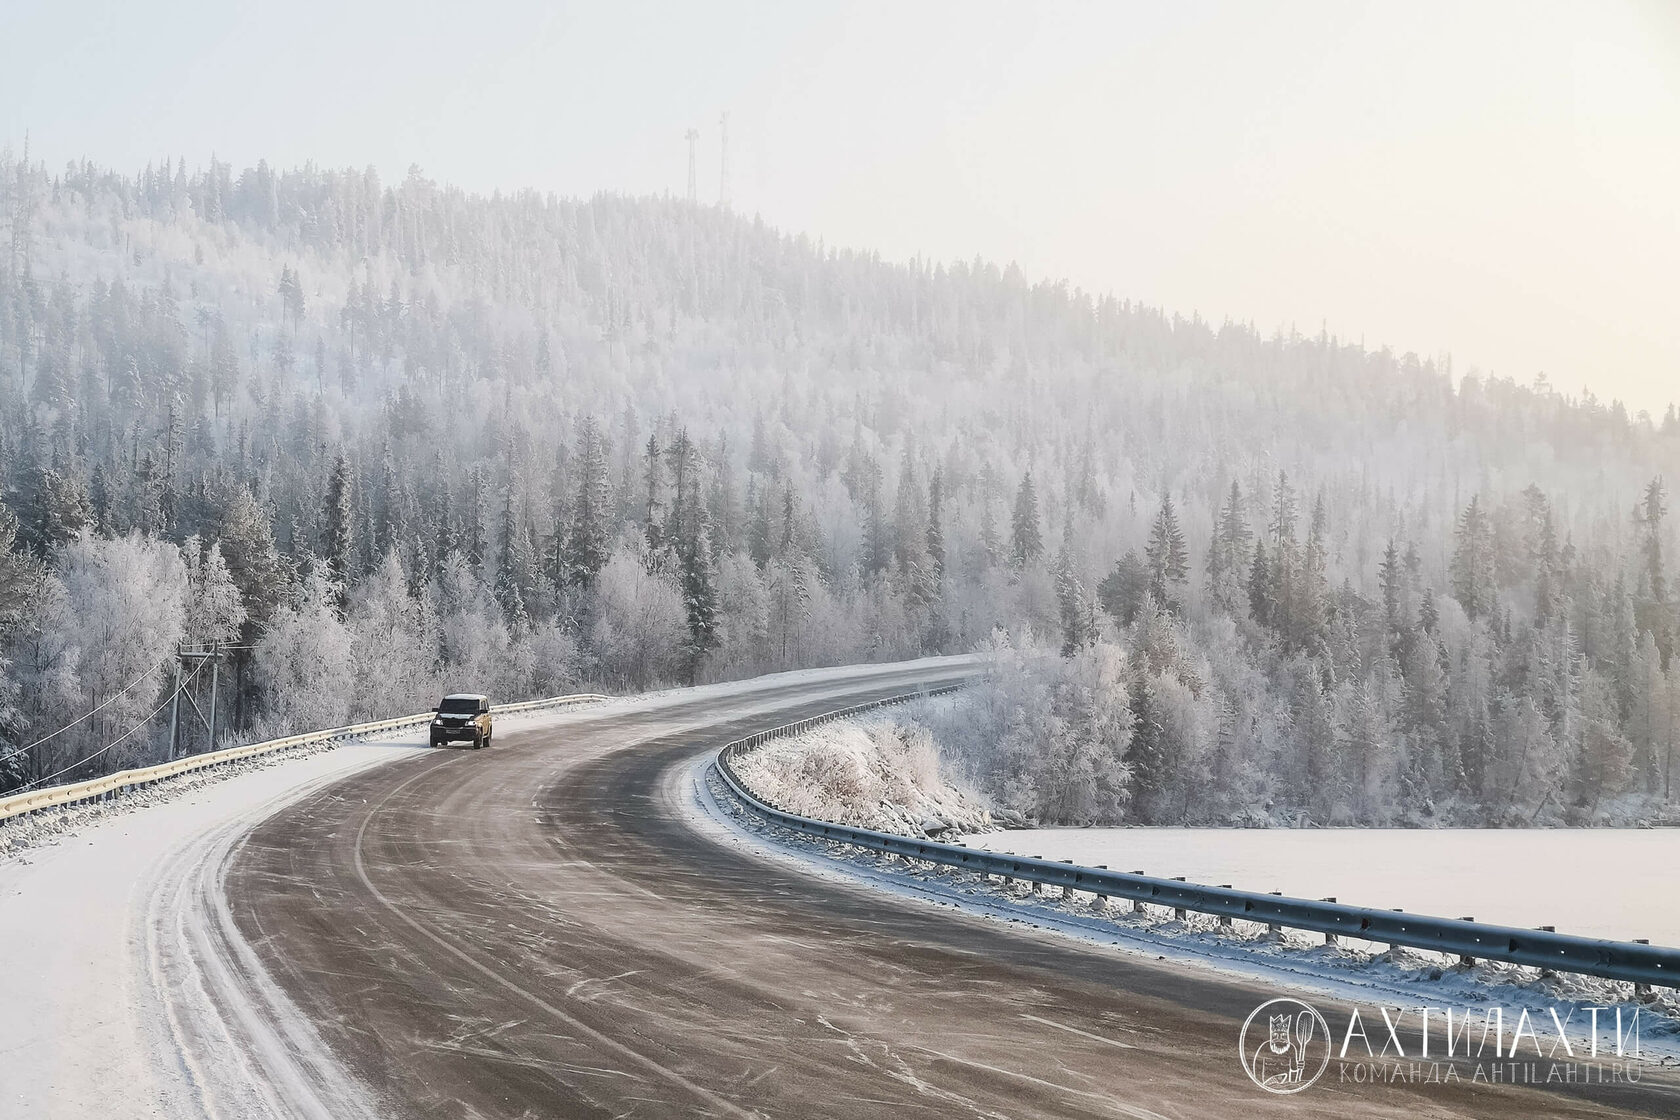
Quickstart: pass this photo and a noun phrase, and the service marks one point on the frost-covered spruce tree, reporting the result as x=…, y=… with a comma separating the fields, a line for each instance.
x=1166, y=557
x=935, y=537
x=475, y=541
x=305, y=662
x=1472, y=563
x=514, y=565
x=1026, y=542
x=588, y=536
x=1078, y=629
x=699, y=593
x=1228, y=558
x=336, y=525
x=216, y=611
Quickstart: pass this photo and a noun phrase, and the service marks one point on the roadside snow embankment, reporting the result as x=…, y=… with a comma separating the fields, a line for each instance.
x=133, y=959
x=872, y=773
x=49, y=826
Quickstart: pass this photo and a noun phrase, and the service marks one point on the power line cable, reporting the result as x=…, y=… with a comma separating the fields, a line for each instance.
x=113, y=698
x=143, y=722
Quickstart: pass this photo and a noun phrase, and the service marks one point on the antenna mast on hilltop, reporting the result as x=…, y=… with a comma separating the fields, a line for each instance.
x=723, y=175
x=693, y=183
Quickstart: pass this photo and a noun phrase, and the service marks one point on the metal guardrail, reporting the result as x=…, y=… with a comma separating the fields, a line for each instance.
x=19, y=804
x=1641, y=964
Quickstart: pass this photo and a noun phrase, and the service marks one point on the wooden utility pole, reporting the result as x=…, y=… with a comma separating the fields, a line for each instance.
x=215, y=678
x=175, y=704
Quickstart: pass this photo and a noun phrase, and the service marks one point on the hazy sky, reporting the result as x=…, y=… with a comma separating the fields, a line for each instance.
x=1498, y=180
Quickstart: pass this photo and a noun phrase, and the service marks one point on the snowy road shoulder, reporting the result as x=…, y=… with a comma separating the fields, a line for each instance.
x=98, y=929
x=1292, y=963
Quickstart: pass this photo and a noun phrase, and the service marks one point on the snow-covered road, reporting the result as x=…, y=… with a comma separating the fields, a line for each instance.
x=115, y=953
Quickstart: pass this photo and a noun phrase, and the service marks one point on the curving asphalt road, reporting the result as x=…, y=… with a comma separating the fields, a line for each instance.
x=540, y=931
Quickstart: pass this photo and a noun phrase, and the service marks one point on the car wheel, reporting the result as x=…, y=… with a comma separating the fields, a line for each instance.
x=478, y=741
x=487, y=740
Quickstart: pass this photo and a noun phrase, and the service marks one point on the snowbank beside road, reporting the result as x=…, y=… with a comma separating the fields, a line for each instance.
x=874, y=772
x=47, y=826
x=105, y=926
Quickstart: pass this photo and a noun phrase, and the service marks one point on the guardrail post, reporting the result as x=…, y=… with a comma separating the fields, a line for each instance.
x=1137, y=903
x=1546, y=973
x=1273, y=930
x=1393, y=950
x=1225, y=919
x=1465, y=960
x=1179, y=913
x=1037, y=887
x=1099, y=902
x=1642, y=993
x=1331, y=938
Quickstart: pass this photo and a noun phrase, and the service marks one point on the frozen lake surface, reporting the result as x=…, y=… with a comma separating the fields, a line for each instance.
x=1613, y=883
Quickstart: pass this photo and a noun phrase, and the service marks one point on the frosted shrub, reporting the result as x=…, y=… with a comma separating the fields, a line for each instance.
x=43, y=657
x=305, y=663
x=1043, y=736
x=744, y=619
x=832, y=632
x=877, y=773
x=125, y=609
x=921, y=757
x=555, y=660
x=475, y=653
x=395, y=644
x=639, y=624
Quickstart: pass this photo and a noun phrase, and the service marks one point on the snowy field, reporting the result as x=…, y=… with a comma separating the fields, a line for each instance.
x=1611, y=883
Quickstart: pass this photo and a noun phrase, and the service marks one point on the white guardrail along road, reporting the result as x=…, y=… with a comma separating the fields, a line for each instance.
x=34, y=801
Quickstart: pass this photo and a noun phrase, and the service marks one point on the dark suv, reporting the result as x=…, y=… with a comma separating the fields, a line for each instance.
x=463, y=716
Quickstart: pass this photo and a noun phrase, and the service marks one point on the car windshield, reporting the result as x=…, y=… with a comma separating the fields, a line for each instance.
x=456, y=706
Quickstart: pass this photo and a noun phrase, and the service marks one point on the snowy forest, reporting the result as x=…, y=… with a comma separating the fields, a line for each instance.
x=383, y=440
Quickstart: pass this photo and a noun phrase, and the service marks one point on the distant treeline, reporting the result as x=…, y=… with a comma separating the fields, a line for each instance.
x=396, y=439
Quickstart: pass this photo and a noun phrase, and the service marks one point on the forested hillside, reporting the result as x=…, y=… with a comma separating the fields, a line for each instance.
x=395, y=438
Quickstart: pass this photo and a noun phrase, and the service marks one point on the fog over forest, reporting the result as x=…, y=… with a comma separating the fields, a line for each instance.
x=395, y=439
